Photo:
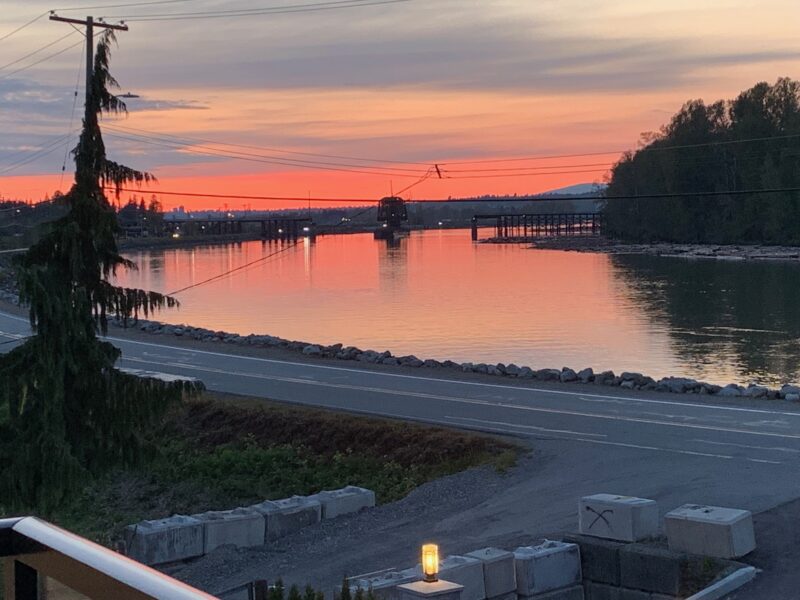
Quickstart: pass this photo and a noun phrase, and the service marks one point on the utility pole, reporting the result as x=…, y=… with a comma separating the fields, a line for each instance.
x=90, y=24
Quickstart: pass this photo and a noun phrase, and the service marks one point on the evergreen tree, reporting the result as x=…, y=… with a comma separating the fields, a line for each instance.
x=65, y=411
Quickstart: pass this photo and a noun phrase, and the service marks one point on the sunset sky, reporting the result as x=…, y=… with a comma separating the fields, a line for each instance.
x=423, y=81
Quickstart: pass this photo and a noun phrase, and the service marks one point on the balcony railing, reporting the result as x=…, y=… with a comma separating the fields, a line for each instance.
x=45, y=562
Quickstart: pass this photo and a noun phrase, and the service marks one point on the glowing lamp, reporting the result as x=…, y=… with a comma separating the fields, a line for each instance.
x=430, y=562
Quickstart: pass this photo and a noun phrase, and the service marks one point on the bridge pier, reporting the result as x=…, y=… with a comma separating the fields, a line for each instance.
x=525, y=227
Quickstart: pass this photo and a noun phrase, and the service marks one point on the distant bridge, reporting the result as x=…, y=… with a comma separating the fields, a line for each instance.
x=272, y=228
x=523, y=227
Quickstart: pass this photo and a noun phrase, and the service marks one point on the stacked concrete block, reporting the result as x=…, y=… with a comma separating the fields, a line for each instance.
x=463, y=570
x=346, y=500
x=622, y=518
x=242, y=527
x=710, y=531
x=384, y=584
x=599, y=558
x=437, y=590
x=165, y=540
x=286, y=516
x=650, y=570
x=499, y=578
x=548, y=567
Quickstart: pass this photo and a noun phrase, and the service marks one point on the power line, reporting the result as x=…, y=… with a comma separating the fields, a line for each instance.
x=40, y=153
x=99, y=7
x=268, y=149
x=607, y=152
x=71, y=119
x=253, y=157
x=531, y=198
x=245, y=197
x=45, y=47
x=7, y=75
x=253, y=262
x=21, y=27
x=255, y=12
x=280, y=159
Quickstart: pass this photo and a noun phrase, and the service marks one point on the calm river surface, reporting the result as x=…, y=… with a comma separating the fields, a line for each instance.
x=437, y=295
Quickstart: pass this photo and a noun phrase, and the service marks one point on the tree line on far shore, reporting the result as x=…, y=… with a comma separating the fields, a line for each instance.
x=747, y=144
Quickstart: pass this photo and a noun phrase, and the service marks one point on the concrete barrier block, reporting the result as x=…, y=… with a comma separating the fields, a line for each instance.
x=499, y=577
x=384, y=584
x=600, y=591
x=622, y=518
x=165, y=540
x=463, y=570
x=438, y=590
x=283, y=517
x=574, y=592
x=599, y=558
x=710, y=531
x=346, y=500
x=242, y=527
x=546, y=567
x=651, y=569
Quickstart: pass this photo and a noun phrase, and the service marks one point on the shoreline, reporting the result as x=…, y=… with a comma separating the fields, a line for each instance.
x=294, y=349
x=601, y=245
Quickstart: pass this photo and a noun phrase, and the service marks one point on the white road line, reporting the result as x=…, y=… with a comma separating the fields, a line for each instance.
x=567, y=431
x=466, y=400
x=576, y=395
x=770, y=448
x=641, y=447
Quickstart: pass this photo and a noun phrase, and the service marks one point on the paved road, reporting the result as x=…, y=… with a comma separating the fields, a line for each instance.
x=673, y=448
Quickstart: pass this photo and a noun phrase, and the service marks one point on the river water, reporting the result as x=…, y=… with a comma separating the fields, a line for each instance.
x=436, y=294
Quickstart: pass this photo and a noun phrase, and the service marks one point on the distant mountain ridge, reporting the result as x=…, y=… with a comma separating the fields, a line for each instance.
x=579, y=189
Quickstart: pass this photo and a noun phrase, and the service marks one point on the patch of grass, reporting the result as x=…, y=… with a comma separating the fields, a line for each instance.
x=226, y=451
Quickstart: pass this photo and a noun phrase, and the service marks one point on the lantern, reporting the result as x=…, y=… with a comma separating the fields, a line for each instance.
x=430, y=562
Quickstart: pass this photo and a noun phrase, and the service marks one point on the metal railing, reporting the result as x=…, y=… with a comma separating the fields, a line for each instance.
x=35, y=552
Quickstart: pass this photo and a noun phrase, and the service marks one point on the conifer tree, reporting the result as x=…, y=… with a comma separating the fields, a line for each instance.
x=65, y=410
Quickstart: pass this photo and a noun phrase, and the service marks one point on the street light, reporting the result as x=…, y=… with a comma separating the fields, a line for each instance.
x=430, y=562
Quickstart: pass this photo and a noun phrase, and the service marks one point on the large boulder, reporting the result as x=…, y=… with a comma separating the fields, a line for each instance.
x=586, y=375
x=312, y=350
x=731, y=390
x=567, y=375
x=548, y=374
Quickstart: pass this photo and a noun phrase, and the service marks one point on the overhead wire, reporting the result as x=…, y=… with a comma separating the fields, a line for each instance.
x=35, y=52
x=272, y=149
x=283, y=160
x=40, y=61
x=287, y=9
x=252, y=157
x=21, y=27
x=607, y=152
x=71, y=119
x=252, y=263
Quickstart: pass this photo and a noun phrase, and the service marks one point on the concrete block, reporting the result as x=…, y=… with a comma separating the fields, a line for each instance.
x=710, y=531
x=421, y=590
x=651, y=569
x=600, y=591
x=165, y=540
x=499, y=577
x=242, y=527
x=622, y=518
x=546, y=567
x=463, y=570
x=286, y=516
x=508, y=596
x=346, y=500
x=574, y=592
x=599, y=558
x=384, y=584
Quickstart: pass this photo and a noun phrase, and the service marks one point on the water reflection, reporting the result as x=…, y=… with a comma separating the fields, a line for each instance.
x=436, y=294
x=739, y=319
